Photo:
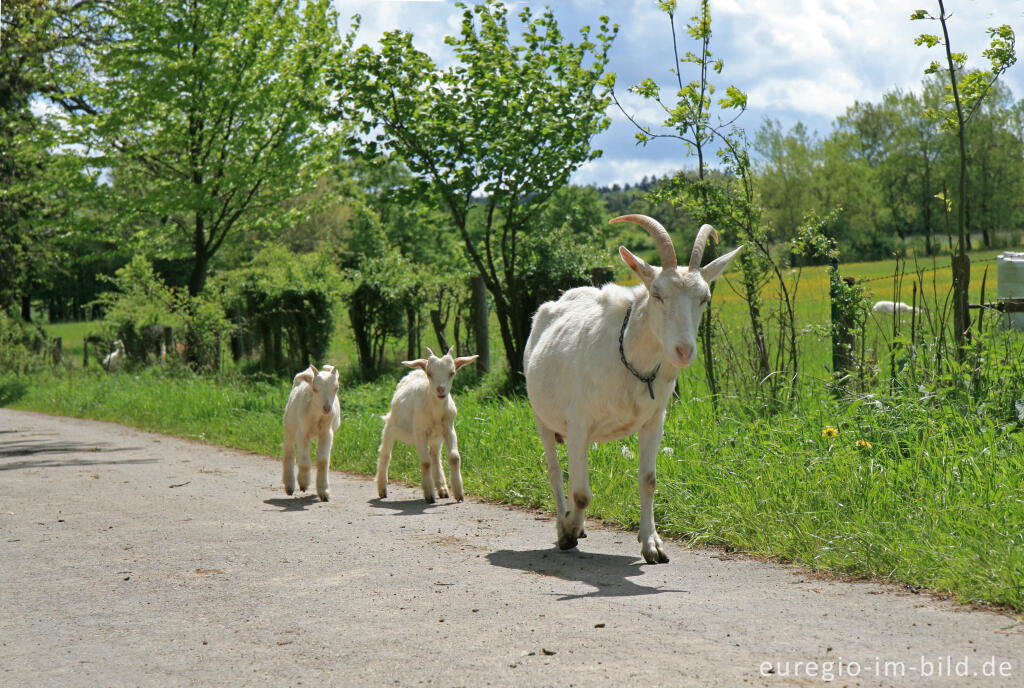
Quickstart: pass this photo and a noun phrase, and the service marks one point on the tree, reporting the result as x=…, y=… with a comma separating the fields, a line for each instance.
x=41, y=62
x=491, y=138
x=689, y=121
x=207, y=114
x=964, y=96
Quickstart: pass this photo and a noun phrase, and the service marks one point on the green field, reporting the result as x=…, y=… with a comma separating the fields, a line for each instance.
x=921, y=486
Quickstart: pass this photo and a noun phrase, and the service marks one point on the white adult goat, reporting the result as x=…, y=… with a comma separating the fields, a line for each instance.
x=891, y=307
x=423, y=415
x=312, y=412
x=601, y=365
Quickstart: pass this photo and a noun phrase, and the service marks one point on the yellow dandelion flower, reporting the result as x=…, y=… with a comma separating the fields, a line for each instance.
x=829, y=431
x=863, y=444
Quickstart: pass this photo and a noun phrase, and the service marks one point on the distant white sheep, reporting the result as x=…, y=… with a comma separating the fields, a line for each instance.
x=601, y=365
x=115, y=358
x=423, y=415
x=313, y=412
x=891, y=307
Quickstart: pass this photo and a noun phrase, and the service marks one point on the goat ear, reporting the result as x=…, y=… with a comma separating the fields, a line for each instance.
x=333, y=370
x=451, y=351
x=304, y=376
x=644, y=271
x=431, y=353
x=715, y=268
x=420, y=363
x=313, y=368
x=465, y=360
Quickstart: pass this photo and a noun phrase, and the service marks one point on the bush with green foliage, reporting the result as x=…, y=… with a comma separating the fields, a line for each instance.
x=17, y=344
x=283, y=304
x=378, y=294
x=141, y=300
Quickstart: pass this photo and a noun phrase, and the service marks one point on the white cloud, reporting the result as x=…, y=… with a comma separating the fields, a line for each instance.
x=607, y=171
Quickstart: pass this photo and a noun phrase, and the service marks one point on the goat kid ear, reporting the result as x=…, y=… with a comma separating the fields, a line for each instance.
x=305, y=376
x=420, y=363
x=431, y=353
x=465, y=360
x=715, y=268
x=644, y=271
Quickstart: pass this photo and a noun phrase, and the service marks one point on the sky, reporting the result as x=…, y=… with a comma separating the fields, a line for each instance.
x=797, y=60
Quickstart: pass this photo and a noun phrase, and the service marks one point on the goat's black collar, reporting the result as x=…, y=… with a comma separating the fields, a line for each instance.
x=649, y=380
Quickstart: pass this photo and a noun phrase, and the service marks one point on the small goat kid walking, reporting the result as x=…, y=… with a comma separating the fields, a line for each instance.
x=423, y=415
x=313, y=412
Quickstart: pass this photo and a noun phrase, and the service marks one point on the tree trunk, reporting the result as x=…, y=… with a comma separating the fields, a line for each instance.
x=435, y=320
x=411, y=348
x=481, y=324
x=363, y=344
x=197, y=280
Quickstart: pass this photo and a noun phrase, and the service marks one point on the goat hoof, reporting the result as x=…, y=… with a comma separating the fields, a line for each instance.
x=443, y=493
x=289, y=491
x=566, y=542
x=325, y=497
x=654, y=555
x=583, y=534
x=429, y=500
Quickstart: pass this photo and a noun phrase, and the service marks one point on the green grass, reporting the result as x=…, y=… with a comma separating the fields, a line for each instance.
x=937, y=500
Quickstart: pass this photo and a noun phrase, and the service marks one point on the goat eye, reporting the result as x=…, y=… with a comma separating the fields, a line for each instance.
x=657, y=297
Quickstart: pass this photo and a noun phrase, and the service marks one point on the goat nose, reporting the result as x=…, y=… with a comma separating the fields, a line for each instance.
x=327, y=408
x=684, y=352
x=440, y=390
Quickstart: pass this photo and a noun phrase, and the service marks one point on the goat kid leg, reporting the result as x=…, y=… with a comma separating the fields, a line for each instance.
x=571, y=527
x=436, y=470
x=426, y=471
x=454, y=464
x=387, y=442
x=323, y=464
x=305, y=464
x=288, y=472
x=651, y=546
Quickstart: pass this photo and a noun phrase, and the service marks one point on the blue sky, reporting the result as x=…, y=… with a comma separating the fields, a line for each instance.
x=797, y=60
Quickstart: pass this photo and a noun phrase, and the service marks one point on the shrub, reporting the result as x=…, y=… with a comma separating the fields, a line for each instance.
x=283, y=306
x=142, y=305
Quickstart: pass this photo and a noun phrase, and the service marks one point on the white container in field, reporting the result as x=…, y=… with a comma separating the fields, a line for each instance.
x=1010, y=284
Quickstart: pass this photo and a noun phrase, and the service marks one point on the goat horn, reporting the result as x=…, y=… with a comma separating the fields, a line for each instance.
x=666, y=251
x=699, y=243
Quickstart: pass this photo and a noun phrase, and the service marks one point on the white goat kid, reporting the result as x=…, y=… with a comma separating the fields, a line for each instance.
x=313, y=412
x=601, y=365
x=423, y=415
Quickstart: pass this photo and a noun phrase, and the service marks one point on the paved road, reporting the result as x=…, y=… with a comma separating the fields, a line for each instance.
x=134, y=559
